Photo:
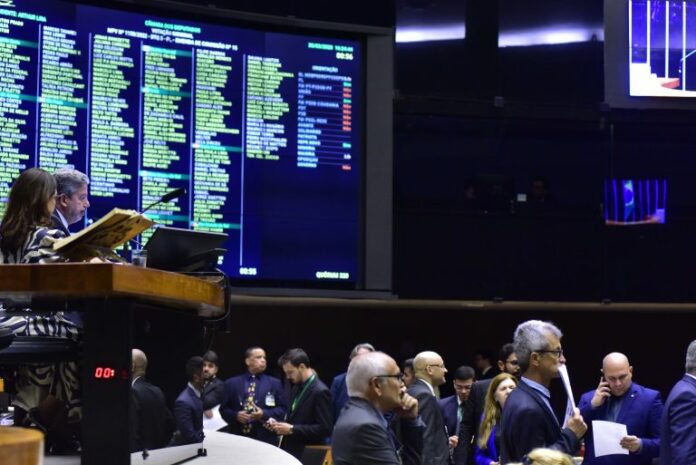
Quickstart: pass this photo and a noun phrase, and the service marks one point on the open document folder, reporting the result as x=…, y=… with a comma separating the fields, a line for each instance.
x=102, y=236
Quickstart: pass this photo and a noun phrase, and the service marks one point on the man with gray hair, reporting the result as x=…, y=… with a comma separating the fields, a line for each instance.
x=528, y=420
x=72, y=201
x=362, y=435
x=678, y=439
x=339, y=393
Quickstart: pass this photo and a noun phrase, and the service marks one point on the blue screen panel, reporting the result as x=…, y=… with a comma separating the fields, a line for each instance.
x=263, y=128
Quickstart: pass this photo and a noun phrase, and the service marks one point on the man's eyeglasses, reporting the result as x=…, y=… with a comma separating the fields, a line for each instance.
x=558, y=352
x=442, y=365
x=399, y=376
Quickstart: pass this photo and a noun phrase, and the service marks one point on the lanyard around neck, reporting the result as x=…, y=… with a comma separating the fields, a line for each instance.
x=297, y=398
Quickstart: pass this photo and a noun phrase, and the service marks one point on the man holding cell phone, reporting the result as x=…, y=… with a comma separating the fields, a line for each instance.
x=618, y=399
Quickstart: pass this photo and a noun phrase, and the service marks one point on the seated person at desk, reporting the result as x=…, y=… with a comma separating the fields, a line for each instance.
x=26, y=236
x=71, y=201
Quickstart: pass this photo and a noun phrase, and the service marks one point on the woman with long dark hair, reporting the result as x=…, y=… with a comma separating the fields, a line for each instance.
x=488, y=442
x=26, y=236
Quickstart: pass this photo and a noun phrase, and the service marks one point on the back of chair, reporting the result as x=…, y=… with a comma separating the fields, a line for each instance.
x=317, y=455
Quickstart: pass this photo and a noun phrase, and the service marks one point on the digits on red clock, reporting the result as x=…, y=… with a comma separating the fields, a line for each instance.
x=104, y=373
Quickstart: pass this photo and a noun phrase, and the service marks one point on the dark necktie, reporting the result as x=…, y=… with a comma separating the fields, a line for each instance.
x=613, y=408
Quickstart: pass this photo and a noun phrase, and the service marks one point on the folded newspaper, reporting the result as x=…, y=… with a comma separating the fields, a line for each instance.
x=101, y=237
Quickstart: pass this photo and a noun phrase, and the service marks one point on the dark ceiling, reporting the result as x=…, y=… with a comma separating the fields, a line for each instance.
x=513, y=14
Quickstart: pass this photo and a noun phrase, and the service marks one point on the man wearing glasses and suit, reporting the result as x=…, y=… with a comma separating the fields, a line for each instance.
x=362, y=435
x=528, y=421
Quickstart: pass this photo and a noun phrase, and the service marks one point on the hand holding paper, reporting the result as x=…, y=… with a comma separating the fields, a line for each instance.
x=607, y=438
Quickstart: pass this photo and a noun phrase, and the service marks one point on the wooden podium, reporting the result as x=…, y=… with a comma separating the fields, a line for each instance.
x=108, y=297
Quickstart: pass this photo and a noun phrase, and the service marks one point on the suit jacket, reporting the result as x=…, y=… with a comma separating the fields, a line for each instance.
x=312, y=418
x=435, y=442
x=641, y=412
x=527, y=423
x=678, y=440
x=152, y=423
x=361, y=438
x=268, y=396
x=492, y=372
x=339, y=394
x=478, y=399
x=490, y=453
x=213, y=393
x=58, y=224
x=188, y=412
x=462, y=453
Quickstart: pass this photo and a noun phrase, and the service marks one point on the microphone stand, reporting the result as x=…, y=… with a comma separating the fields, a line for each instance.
x=169, y=196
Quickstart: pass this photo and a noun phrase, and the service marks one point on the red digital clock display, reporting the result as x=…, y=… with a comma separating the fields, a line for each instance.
x=105, y=372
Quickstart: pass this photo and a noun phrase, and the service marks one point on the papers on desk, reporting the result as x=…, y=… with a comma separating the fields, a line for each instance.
x=216, y=422
x=607, y=436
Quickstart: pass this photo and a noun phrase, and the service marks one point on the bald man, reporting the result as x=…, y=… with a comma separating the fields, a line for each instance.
x=152, y=423
x=618, y=399
x=430, y=372
x=362, y=435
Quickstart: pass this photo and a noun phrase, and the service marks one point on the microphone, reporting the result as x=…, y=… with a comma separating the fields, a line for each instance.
x=176, y=193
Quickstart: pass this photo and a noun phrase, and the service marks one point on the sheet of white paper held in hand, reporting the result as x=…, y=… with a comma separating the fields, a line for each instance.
x=563, y=370
x=570, y=406
x=607, y=436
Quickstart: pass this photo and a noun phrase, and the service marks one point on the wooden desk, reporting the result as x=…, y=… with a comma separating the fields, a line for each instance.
x=21, y=446
x=108, y=296
x=80, y=281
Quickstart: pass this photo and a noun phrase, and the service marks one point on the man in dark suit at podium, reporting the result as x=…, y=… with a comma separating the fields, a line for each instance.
x=188, y=408
x=252, y=398
x=310, y=417
x=152, y=423
x=72, y=201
